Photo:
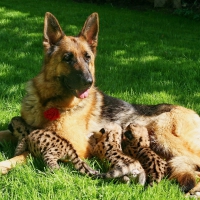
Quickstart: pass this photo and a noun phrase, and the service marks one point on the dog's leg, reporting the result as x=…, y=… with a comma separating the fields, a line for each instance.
x=7, y=165
x=197, y=173
x=7, y=136
x=183, y=170
x=194, y=192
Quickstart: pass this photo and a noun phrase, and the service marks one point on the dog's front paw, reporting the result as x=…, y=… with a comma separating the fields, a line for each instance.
x=5, y=166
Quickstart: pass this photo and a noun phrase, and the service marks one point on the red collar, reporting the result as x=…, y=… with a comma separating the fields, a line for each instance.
x=52, y=114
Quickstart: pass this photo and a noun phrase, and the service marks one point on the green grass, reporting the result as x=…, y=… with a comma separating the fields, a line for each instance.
x=144, y=57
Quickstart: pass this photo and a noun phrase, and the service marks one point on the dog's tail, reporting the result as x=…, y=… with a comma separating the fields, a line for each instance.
x=182, y=169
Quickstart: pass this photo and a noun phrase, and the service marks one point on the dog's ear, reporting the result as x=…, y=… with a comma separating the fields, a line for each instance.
x=90, y=30
x=52, y=31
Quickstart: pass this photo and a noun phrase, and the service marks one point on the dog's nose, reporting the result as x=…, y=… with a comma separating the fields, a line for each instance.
x=88, y=81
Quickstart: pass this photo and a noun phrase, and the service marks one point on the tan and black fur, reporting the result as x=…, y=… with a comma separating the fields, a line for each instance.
x=109, y=148
x=67, y=82
x=138, y=147
x=46, y=144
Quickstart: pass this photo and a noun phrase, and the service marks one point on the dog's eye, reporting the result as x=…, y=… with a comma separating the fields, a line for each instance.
x=87, y=57
x=68, y=57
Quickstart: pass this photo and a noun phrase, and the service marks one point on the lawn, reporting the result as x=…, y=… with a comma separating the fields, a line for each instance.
x=146, y=57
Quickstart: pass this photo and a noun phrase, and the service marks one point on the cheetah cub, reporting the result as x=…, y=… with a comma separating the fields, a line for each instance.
x=46, y=144
x=109, y=148
x=138, y=147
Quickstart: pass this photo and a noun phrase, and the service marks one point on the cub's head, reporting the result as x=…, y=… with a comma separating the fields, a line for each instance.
x=69, y=61
x=112, y=129
x=137, y=135
x=18, y=127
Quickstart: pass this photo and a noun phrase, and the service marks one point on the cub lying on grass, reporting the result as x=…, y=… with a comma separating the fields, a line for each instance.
x=138, y=147
x=109, y=148
x=46, y=144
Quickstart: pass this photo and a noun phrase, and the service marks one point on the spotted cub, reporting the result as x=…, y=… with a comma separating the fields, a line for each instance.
x=109, y=148
x=46, y=144
x=138, y=147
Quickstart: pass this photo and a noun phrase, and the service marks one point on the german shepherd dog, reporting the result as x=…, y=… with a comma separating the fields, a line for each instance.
x=63, y=98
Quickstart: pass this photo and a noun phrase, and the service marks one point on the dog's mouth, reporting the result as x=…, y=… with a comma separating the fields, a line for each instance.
x=81, y=92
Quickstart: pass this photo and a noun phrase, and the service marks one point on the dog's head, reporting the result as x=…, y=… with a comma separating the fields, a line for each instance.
x=69, y=61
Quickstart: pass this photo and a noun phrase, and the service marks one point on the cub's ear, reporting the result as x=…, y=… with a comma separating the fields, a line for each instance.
x=129, y=135
x=90, y=30
x=102, y=131
x=52, y=31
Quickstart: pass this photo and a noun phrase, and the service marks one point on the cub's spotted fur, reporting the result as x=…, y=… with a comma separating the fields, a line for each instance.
x=46, y=144
x=138, y=147
x=109, y=148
